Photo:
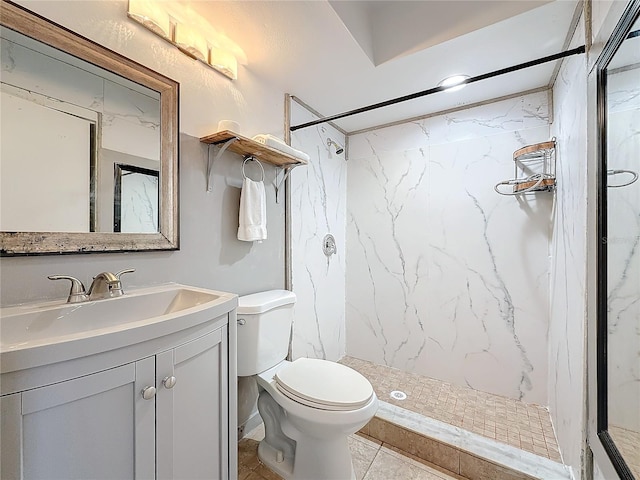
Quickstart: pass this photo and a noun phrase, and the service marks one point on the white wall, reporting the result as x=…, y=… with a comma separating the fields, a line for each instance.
x=30, y=197
x=567, y=330
x=318, y=203
x=205, y=96
x=210, y=255
x=445, y=277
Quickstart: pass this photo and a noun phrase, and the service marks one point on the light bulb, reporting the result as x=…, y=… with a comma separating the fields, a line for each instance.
x=454, y=83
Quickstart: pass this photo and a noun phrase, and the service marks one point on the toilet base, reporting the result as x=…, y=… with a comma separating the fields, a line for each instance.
x=310, y=465
x=269, y=456
x=297, y=456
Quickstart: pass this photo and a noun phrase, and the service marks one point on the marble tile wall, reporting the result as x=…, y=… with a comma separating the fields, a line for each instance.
x=318, y=207
x=130, y=122
x=623, y=250
x=445, y=277
x=130, y=116
x=568, y=266
x=24, y=67
x=139, y=203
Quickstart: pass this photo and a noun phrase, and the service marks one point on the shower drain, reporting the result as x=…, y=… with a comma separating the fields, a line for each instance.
x=398, y=395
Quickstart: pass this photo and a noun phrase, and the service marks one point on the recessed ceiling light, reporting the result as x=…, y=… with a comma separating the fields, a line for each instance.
x=454, y=83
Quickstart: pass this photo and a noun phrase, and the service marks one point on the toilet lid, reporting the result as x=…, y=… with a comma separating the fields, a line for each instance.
x=323, y=384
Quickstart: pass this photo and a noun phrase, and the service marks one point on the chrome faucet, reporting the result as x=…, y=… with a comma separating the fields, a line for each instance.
x=104, y=285
x=77, y=293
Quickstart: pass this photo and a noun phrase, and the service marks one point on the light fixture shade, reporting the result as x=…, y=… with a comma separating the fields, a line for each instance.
x=454, y=83
x=191, y=41
x=151, y=15
x=224, y=62
x=184, y=28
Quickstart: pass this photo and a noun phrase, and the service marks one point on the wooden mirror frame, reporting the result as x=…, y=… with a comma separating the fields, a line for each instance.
x=27, y=23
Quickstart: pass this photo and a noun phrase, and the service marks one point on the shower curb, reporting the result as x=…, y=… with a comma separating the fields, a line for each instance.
x=457, y=450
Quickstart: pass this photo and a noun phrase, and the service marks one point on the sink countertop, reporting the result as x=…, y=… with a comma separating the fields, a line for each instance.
x=43, y=333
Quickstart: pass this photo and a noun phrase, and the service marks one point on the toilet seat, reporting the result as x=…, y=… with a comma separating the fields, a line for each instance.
x=324, y=385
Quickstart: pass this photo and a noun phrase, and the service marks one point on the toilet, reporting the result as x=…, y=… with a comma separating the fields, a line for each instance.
x=309, y=406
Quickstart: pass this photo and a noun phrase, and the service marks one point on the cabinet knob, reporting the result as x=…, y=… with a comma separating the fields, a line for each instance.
x=169, y=382
x=148, y=393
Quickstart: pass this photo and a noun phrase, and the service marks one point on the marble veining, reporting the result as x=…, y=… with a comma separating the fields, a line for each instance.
x=445, y=277
x=139, y=203
x=567, y=356
x=506, y=306
x=318, y=200
x=26, y=69
x=623, y=251
x=129, y=119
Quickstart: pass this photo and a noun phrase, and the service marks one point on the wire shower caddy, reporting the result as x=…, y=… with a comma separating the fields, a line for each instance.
x=534, y=170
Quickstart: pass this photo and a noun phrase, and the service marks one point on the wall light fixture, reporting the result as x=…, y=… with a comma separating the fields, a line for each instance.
x=188, y=31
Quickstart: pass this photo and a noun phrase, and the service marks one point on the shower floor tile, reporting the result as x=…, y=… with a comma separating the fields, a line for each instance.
x=521, y=425
x=627, y=442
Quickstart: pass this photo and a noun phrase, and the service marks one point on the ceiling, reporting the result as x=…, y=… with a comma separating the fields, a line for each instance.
x=341, y=55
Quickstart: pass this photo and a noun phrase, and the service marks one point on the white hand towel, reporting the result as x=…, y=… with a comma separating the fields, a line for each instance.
x=253, y=212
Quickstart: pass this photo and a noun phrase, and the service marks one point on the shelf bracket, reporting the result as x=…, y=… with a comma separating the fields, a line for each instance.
x=219, y=153
x=279, y=184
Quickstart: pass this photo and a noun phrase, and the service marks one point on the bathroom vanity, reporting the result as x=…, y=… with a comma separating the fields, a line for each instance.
x=129, y=387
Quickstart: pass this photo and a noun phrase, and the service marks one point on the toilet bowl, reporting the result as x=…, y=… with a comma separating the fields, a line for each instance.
x=309, y=406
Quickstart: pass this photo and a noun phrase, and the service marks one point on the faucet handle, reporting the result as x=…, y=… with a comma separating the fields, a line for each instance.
x=122, y=272
x=126, y=270
x=77, y=293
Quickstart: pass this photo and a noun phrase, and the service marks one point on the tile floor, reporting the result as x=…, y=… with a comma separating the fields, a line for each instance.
x=372, y=460
x=627, y=442
x=524, y=426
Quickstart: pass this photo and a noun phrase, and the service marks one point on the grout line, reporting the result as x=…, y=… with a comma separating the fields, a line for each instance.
x=370, y=464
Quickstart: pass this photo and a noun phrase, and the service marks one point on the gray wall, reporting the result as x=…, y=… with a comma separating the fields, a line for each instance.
x=210, y=255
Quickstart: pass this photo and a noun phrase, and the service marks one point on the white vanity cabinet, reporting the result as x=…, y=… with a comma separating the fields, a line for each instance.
x=164, y=415
x=89, y=427
x=192, y=410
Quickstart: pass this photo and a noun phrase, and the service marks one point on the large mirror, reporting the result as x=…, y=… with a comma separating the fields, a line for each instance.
x=619, y=259
x=88, y=158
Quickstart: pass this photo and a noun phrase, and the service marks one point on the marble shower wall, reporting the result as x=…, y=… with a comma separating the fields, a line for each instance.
x=623, y=250
x=445, y=277
x=130, y=119
x=567, y=333
x=318, y=207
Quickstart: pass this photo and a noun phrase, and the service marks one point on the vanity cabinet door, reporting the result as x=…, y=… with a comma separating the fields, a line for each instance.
x=92, y=427
x=192, y=409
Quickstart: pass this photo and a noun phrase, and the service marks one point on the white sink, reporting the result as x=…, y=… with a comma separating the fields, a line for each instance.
x=42, y=333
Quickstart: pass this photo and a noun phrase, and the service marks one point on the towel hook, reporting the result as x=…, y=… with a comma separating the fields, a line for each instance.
x=632, y=179
x=247, y=159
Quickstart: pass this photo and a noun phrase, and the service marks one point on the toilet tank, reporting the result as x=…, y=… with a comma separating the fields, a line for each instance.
x=264, y=327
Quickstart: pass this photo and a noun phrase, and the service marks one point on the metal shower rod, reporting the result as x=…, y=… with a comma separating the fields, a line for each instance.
x=495, y=73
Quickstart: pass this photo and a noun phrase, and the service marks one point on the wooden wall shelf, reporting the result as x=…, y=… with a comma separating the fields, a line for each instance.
x=250, y=148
